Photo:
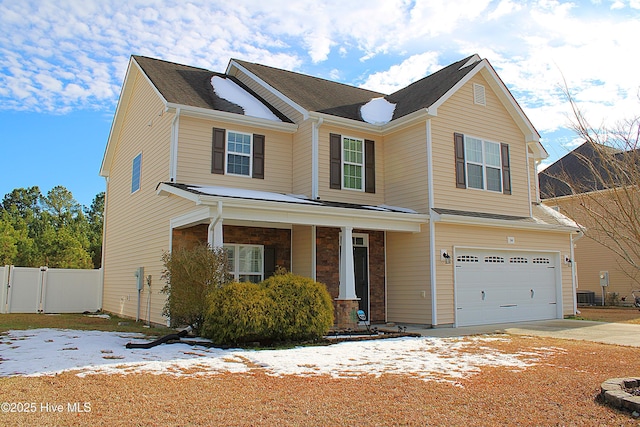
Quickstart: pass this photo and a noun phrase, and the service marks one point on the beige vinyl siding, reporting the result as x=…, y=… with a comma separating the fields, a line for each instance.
x=405, y=162
x=270, y=97
x=301, y=250
x=408, y=277
x=591, y=257
x=137, y=229
x=493, y=123
x=449, y=236
x=194, y=157
x=346, y=195
x=302, y=159
x=137, y=225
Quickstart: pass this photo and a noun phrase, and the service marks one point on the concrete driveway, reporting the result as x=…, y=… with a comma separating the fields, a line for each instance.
x=607, y=333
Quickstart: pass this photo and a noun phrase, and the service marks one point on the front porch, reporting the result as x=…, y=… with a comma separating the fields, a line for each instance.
x=338, y=244
x=288, y=248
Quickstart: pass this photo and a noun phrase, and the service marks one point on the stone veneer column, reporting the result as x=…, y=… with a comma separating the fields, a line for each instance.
x=346, y=314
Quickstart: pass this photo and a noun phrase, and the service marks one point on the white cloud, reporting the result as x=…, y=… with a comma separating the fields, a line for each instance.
x=398, y=76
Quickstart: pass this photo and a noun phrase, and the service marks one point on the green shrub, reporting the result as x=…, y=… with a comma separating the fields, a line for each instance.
x=191, y=274
x=284, y=307
x=238, y=313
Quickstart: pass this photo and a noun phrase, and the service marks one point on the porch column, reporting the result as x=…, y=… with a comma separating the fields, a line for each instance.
x=347, y=274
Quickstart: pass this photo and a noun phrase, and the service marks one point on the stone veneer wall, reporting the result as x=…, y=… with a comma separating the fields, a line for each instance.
x=275, y=237
x=328, y=267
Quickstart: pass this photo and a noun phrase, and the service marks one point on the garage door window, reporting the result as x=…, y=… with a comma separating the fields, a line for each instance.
x=541, y=261
x=494, y=259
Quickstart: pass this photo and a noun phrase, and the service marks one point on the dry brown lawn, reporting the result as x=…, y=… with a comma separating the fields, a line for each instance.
x=610, y=314
x=558, y=391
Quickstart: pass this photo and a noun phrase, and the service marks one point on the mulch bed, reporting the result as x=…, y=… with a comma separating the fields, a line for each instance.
x=560, y=390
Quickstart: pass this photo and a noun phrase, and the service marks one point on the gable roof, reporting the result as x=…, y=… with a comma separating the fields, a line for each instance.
x=582, y=170
x=312, y=93
x=427, y=91
x=191, y=86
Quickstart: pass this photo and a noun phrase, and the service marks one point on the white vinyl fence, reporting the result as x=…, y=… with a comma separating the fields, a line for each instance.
x=49, y=290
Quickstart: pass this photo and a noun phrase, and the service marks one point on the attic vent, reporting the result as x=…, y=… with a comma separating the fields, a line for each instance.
x=478, y=94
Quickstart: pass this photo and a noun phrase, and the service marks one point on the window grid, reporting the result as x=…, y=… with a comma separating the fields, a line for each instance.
x=518, y=260
x=494, y=259
x=484, y=164
x=238, y=153
x=467, y=258
x=352, y=163
x=245, y=262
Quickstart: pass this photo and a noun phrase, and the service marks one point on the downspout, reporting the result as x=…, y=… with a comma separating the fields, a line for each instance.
x=173, y=160
x=527, y=161
x=214, y=238
x=432, y=227
x=315, y=194
x=574, y=284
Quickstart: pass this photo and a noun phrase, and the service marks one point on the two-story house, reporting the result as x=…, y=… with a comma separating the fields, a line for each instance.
x=418, y=207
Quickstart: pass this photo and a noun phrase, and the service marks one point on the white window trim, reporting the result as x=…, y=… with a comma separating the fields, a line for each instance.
x=139, y=173
x=227, y=152
x=344, y=162
x=236, y=261
x=483, y=164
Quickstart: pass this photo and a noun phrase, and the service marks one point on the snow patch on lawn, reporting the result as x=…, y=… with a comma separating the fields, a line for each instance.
x=51, y=351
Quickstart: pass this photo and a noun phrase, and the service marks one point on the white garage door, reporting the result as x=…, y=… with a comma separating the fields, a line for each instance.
x=501, y=287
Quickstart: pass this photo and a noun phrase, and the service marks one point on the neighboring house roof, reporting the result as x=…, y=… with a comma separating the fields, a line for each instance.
x=580, y=171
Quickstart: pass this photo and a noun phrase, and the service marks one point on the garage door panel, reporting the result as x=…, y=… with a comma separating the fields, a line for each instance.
x=498, y=286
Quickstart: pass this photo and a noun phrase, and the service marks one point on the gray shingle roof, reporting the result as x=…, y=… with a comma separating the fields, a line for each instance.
x=186, y=85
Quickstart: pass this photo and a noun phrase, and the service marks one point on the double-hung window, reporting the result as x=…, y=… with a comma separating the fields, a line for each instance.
x=482, y=164
x=238, y=153
x=484, y=169
x=352, y=163
x=246, y=262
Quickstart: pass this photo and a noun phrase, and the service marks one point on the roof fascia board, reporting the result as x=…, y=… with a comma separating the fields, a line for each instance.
x=133, y=69
x=390, y=127
x=206, y=113
x=498, y=223
x=230, y=71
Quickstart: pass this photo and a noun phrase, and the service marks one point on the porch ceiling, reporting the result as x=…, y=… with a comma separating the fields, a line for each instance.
x=265, y=207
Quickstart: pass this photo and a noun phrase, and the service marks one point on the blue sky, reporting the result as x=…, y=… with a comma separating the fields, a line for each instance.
x=62, y=62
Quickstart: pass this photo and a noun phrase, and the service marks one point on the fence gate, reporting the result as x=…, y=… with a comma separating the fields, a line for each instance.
x=49, y=290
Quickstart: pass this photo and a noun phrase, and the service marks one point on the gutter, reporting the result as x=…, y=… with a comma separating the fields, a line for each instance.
x=315, y=193
x=173, y=161
x=241, y=119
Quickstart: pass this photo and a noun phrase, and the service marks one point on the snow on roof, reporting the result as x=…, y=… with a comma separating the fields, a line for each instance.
x=227, y=89
x=250, y=194
x=40, y=352
x=378, y=111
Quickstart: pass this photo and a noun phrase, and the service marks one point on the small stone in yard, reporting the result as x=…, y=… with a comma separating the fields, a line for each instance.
x=635, y=414
x=123, y=323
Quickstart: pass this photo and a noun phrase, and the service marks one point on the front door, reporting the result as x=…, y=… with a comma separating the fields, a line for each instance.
x=361, y=267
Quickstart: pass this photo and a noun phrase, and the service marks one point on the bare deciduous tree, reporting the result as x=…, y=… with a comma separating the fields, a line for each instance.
x=602, y=180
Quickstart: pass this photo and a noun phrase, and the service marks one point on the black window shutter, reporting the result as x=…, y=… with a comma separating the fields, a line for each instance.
x=369, y=166
x=258, y=157
x=335, y=154
x=269, y=261
x=217, y=151
x=506, y=169
x=459, y=151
